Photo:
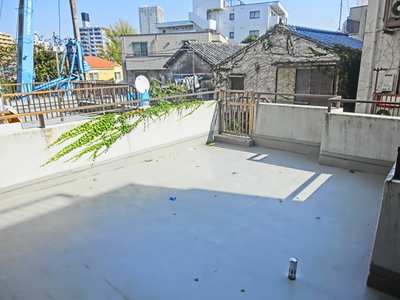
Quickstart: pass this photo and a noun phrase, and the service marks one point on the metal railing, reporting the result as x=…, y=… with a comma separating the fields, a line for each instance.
x=77, y=99
x=296, y=99
x=237, y=107
x=340, y=101
x=43, y=111
x=13, y=88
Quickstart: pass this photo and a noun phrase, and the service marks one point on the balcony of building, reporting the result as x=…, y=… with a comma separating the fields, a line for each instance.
x=175, y=210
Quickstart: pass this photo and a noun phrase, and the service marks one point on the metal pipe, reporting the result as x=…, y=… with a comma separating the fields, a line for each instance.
x=397, y=168
x=75, y=23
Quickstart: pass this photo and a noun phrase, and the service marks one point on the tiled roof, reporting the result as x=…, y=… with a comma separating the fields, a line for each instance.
x=213, y=53
x=326, y=37
x=99, y=63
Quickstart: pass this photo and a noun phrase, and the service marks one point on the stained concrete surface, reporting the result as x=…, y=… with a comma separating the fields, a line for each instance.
x=239, y=215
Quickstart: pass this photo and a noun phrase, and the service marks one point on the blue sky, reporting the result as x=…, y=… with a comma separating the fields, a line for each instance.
x=54, y=15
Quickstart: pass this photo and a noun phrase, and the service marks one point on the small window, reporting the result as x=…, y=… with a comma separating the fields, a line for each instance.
x=117, y=76
x=256, y=32
x=93, y=76
x=255, y=14
x=231, y=35
x=139, y=49
x=231, y=16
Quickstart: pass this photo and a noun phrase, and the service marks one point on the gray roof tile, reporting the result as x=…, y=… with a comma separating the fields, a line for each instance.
x=213, y=53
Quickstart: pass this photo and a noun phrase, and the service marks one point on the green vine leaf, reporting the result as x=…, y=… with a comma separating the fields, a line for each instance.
x=96, y=136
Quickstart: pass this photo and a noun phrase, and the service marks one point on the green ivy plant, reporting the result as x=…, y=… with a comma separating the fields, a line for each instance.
x=98, y=135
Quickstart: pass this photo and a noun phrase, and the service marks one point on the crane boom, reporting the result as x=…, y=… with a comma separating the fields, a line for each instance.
x=25, y=44
x=77, y=65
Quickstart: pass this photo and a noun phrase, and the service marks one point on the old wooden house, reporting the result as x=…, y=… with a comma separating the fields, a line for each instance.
x=193, y=63
x=291, y=59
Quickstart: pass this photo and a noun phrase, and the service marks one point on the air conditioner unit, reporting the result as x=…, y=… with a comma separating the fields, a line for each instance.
x=392, y=14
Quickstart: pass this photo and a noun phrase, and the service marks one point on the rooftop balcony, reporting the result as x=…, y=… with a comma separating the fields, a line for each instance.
x=310, y=188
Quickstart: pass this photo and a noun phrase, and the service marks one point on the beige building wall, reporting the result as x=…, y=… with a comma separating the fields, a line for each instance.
x=380, y=50
x=6, y=39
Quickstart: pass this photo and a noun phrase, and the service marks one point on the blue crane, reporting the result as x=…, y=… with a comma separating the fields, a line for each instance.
x=73, y=56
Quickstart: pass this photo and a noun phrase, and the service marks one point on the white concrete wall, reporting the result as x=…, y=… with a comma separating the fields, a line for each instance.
x=289, y=127
x=386, y=253
x=361, y=142
x=358, y=141
x=23, y=153
x=385, y=261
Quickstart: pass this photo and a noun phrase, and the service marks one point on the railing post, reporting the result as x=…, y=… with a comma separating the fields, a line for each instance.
x=41, y=120
x=329, y=104
x=397, y=169
x=251, y=117
x=123, y=108
x=221, y=113
x=60, y=100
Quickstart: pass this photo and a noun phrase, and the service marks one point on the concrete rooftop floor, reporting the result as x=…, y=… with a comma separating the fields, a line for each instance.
x=239, y=215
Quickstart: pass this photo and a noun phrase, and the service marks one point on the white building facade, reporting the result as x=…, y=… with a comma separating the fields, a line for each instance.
x=379, y=71
x=236, y=20
x=149, y=16
x=92, y=38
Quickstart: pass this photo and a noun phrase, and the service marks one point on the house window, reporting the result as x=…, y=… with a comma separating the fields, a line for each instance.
x=256, y=32
x=236, y=82
x=117, y=76
x=303, y=80
x=93, y=76
x=139, y=49
x=255, y=14
x=231, y=35
x=231, y=16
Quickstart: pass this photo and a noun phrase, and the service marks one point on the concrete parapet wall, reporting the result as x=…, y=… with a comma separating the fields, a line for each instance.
x=361, y=142
x=384, y=272
x=24, y=153
x=289, y=127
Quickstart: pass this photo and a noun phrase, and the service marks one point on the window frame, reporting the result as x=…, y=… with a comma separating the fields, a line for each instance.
x=256, y=32
x=255, y=14
x=232, y=35
x=232, y=16
x=93, y=74
x=142, y=52
x=117, y=75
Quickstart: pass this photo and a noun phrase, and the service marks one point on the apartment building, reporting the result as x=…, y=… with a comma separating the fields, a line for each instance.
x=235, y=20
x=149, y=16
x=379, y=73
x=5, y=39
x=92, y=38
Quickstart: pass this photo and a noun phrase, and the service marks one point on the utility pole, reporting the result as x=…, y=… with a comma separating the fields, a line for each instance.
x=340, y=15
x=75, y=20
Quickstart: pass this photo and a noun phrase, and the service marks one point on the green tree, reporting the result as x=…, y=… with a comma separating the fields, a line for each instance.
x=44, y=61
x=8, y=64
x=250, y=38
x=112, y=50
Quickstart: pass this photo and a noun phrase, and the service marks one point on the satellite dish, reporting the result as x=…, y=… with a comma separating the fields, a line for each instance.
x=396, y=9
x=142, y=84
